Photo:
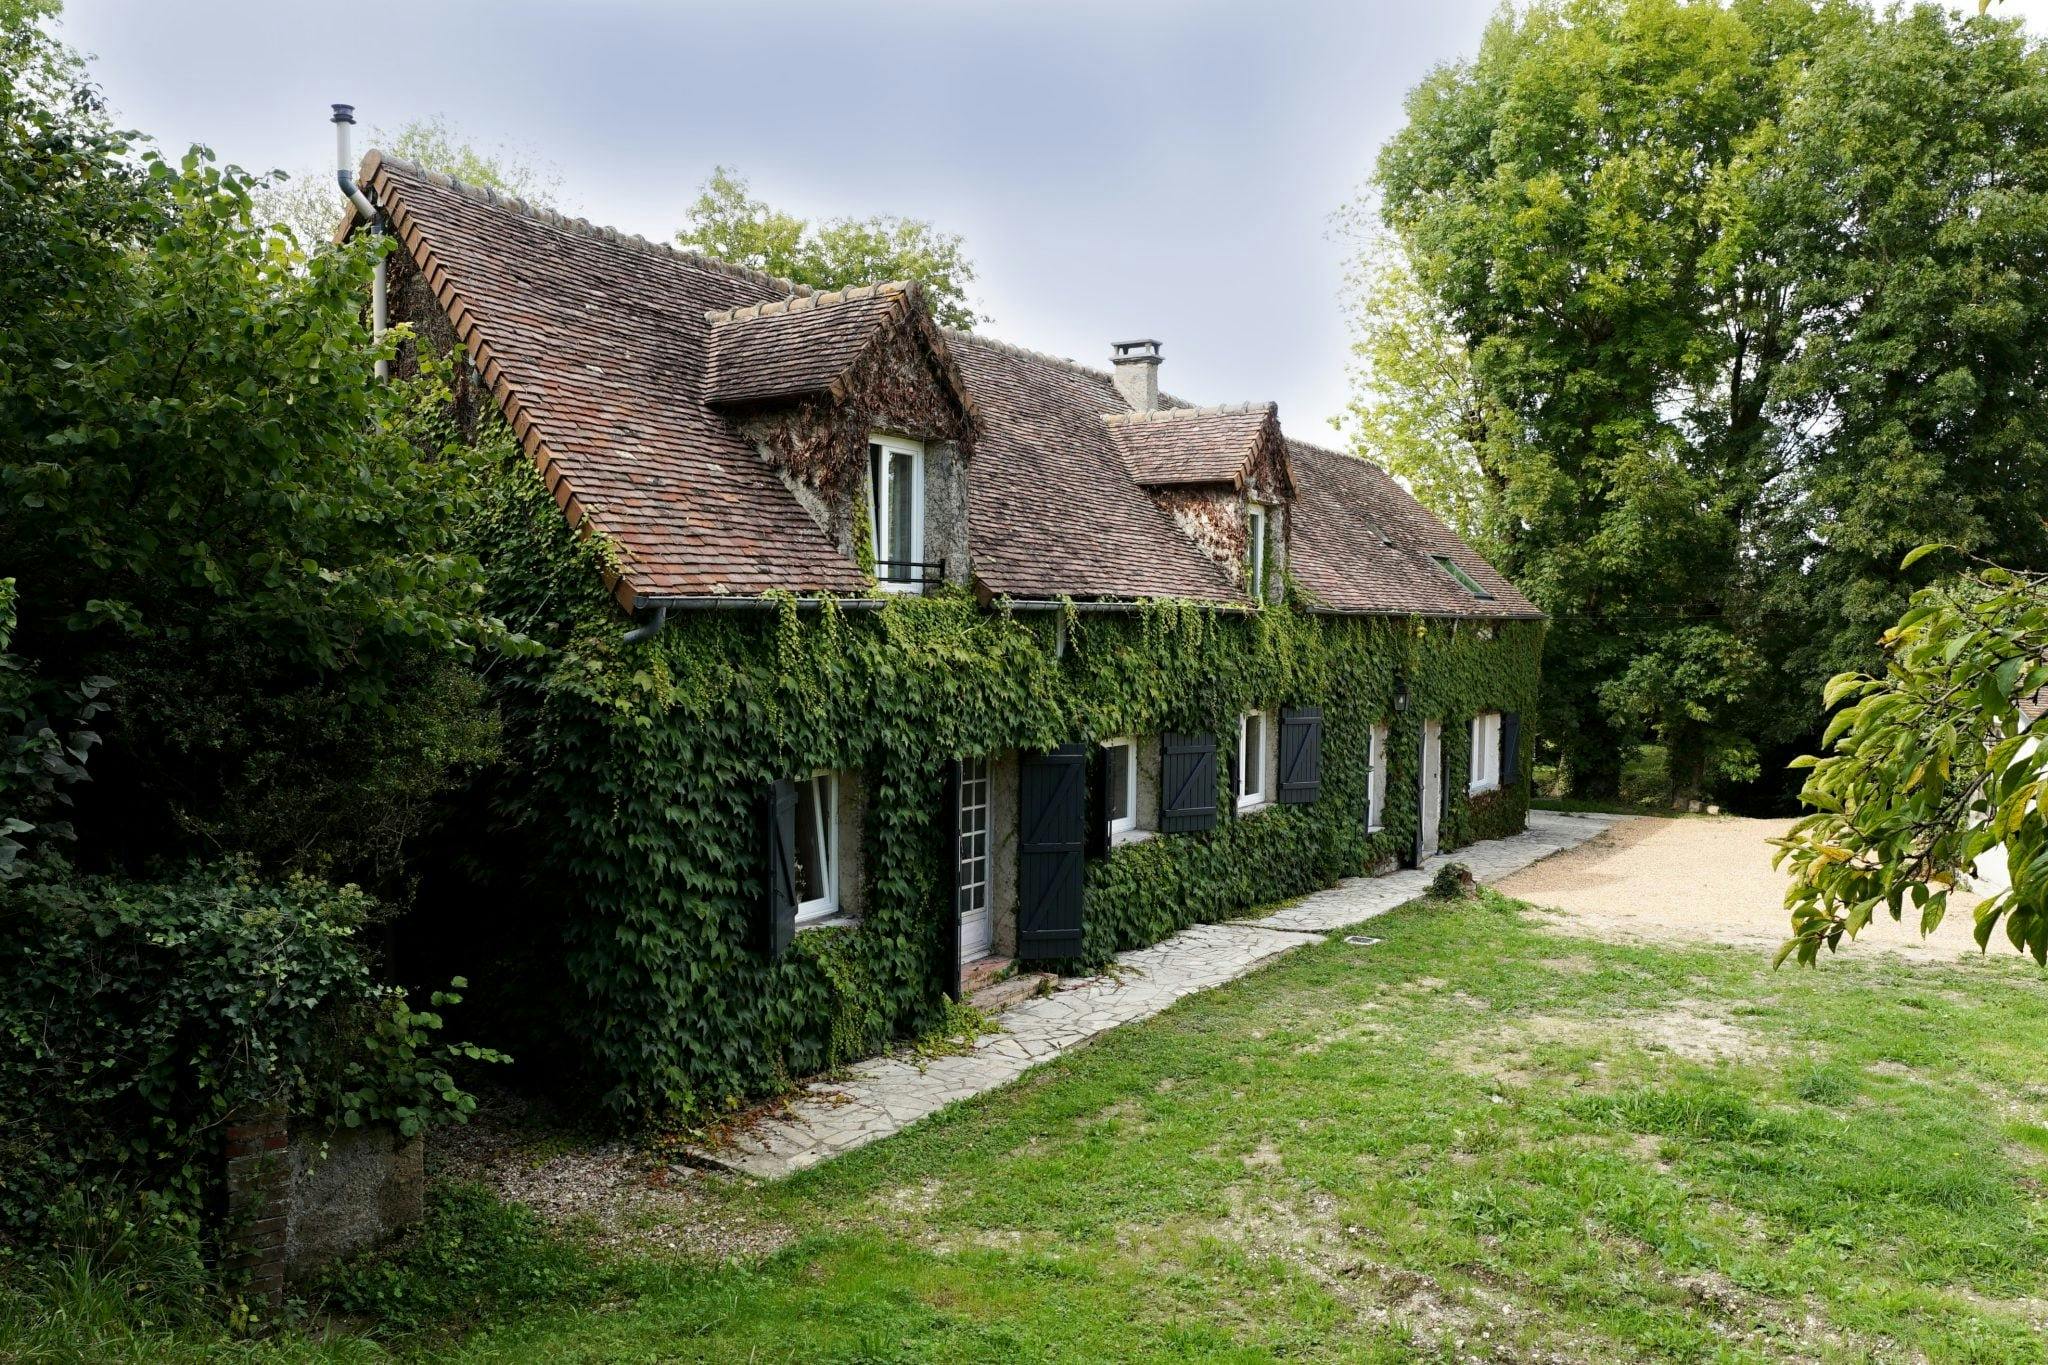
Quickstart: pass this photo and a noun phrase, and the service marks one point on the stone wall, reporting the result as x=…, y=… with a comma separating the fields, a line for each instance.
x=296, y=1200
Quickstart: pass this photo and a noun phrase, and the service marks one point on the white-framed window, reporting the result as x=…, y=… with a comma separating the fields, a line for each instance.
x=1376, y=781
x=1485, y=762
x=896, y=512
x=1255, y=548
x=1122, y=802
x=1254, y=739
x=817, y=847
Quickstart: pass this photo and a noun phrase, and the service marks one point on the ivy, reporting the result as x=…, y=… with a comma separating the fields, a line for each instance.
x=642, y=766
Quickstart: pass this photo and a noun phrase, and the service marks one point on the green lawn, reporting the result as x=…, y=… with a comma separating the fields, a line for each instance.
x=1473, y=1140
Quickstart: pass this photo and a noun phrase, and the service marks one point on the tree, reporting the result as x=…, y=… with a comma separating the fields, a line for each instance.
x=1929, y=766
x=308, y=204
x=729, y=223
x=1743, y=291
x=1416, y=407
x=205, y=499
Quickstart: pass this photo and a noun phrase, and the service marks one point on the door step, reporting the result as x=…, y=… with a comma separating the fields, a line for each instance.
x=991, y=987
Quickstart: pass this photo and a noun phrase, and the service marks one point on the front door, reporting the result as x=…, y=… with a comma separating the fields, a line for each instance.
x=1052, y=793
x=977, y=921
x=1432, y=795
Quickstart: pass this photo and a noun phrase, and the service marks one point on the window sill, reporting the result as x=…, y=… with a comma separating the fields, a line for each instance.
x=838, y=919
x=1482, y=789
x=1245, y=807
x=1119, y=837
x=1375, y=829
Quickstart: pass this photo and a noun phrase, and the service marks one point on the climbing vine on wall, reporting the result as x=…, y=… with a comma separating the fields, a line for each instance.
x=641, y=765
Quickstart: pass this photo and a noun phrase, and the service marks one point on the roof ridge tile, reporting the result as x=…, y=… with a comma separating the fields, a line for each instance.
x=1117, y=419
x=803, y=303
x=632, y=241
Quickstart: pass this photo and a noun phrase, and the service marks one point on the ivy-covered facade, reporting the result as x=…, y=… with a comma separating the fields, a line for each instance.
x=881, y=654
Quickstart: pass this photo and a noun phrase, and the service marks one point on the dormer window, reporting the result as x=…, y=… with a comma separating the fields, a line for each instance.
x=1255, y=547
x=896, y=487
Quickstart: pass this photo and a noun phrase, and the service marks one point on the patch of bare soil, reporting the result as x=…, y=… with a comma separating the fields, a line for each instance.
x=1702, y=880
x=1691, y=1029
x=610, y=1192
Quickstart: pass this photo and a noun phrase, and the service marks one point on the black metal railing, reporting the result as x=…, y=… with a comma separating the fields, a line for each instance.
x=926, y=570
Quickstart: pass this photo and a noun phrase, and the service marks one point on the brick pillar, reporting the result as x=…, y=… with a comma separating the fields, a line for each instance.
x=258, y=1186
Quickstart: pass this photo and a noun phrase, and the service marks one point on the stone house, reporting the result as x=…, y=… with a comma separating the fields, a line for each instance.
x=752, y=449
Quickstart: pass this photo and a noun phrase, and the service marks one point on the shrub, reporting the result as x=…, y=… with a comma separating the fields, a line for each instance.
x=1453, y=882
x=137, y=1017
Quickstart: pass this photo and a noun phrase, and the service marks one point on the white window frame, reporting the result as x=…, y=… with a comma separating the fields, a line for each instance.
x=1376, y=781
x=878, y=507
x=1256, y=518
x=1484, y=764
x=1125, y=823
x=1251, y=777
x=973, y=850
x=826, y=784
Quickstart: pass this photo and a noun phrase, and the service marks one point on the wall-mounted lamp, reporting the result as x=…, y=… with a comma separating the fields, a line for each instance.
x=1400, y=696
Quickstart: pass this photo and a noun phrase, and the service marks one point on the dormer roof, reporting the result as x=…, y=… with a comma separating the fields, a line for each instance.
x=1188, y=445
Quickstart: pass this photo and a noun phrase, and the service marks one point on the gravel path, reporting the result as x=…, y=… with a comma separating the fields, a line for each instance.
x=1705, y=878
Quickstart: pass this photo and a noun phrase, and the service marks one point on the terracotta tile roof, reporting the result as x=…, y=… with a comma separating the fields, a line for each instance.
x=1347, y=510
x=2034, y=707
x=611, y=357
x=1187, y=445
x=1051, y=509
x=595, y=345
x=788, y=348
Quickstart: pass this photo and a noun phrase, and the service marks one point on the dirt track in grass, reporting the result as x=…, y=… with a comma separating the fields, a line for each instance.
x=1702, y=880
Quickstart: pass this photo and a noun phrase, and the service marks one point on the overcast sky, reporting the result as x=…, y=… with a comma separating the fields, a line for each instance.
x=1141, y=168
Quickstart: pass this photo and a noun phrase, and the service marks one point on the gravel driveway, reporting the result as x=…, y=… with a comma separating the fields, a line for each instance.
x=1703, y=878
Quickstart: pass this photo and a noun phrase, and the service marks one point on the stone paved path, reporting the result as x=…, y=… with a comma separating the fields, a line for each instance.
x=883, y=1096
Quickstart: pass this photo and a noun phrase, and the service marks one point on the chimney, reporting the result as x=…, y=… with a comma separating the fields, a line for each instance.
x=1137, y=373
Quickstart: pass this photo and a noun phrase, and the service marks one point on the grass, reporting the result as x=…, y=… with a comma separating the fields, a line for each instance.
x=1475, y=1132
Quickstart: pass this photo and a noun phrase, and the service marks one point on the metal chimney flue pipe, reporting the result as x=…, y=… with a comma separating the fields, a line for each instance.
x=344, y=119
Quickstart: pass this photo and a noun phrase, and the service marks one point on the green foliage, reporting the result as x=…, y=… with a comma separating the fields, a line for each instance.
x=473, y=1259
x=40, y=756
x=1452, y=882
x=205, y=499
x=136, y=1017
x=106, y=1281
x=1927, y=768
x=641, y=768
x=1717, y=309
x=727, y=222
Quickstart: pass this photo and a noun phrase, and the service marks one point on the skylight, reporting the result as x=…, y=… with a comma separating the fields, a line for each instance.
x=1463, y=579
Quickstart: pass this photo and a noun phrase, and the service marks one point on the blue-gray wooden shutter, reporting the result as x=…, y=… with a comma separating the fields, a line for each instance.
x=1301, y=754
x=1187, y=783
x=1052, y=810
x=1510, y=748
x=775, y=922
x=949, y=923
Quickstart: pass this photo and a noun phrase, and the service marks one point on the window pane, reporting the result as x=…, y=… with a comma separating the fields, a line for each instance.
x=813, y=853
x=902, y=512
x=1120, y=782
x=1252, y=770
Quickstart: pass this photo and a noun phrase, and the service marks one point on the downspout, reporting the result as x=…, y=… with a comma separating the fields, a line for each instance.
x=344, y=176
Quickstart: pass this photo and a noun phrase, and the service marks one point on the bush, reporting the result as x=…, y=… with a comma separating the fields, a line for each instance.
x=1453, y=882
x=137, y=1017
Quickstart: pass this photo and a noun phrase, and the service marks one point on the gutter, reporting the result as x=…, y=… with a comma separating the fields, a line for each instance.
x=344, y=176
x=663, y=605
